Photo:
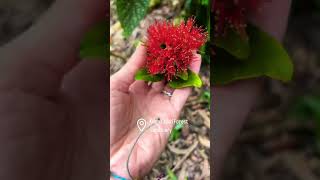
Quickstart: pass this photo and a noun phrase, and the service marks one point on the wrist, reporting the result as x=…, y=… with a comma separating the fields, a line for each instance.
x=114, y=176
x=118, y=169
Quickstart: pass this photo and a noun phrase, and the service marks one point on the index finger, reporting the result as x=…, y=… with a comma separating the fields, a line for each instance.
x=180, y=96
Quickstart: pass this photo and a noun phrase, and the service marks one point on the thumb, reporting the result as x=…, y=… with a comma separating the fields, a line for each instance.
x=125, y=76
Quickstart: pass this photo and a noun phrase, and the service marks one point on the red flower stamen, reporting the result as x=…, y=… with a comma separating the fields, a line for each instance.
x=232, y=14
x=170, y=48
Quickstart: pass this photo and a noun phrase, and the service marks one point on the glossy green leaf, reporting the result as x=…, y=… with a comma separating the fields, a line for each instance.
x=143, y=74
x=176, y=132
x=95, y=42
x=193, y=81
x=233, y=43
x=267, y=58
x=130, y=13
x=183, y=75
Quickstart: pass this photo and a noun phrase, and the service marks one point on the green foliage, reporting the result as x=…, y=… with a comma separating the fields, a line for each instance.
x=171, y=175
x=193, y=80
x=176, y=132
x=234, y=43
x=130, y=13
x=183, y=75
x=95, y=43
x=189, y=79
x=267, y=58
x=308, y=108
x=205, y=54
x=154, y=3
x=143, y=74
x=206, y=96
x=200, y=9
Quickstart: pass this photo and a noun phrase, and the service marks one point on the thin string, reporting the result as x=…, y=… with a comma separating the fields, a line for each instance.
x=135, y=143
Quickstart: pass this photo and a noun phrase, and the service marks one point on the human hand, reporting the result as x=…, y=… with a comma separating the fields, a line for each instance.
x=231, y=104
x=52, y=107
x=131, y=100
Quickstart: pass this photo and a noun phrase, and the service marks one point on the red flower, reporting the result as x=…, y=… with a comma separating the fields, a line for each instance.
x=170, y=48
x=232, y=14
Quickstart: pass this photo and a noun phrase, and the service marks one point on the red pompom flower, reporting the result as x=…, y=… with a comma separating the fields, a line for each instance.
x=170, y=48
x=232, y=14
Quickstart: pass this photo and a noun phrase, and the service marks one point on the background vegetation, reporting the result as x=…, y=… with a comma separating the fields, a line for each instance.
x=281, y=137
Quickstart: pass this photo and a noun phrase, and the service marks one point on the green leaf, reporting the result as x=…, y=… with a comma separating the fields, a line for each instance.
x=143, y=74
x=206, y=95
x=178, y=126
x=94, y=52
x=313, y=104
x=130, y=13
x=95, y=42
x=171, y=175
x=205, y=3
x=233, y=43
x=193, y=80
x=183, y=75
x=201, y=11
x=308, y=107
x=174, y=135
x=176, y=132
x=154, y=3
x=267, y=58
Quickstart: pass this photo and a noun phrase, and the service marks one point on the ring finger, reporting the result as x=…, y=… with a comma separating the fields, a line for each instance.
x=167, y=91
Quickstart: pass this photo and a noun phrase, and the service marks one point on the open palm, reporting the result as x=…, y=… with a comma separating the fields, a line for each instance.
x=132, y=100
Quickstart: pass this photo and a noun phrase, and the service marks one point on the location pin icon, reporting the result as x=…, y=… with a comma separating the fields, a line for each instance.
x=141, y=123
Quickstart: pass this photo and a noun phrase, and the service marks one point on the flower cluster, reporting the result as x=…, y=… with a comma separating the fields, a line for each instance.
x=232, y=14
x=170, y=48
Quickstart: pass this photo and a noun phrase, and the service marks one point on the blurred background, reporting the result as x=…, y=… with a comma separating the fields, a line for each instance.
x=16, y=16
x=187, y=154
x=281, y=139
